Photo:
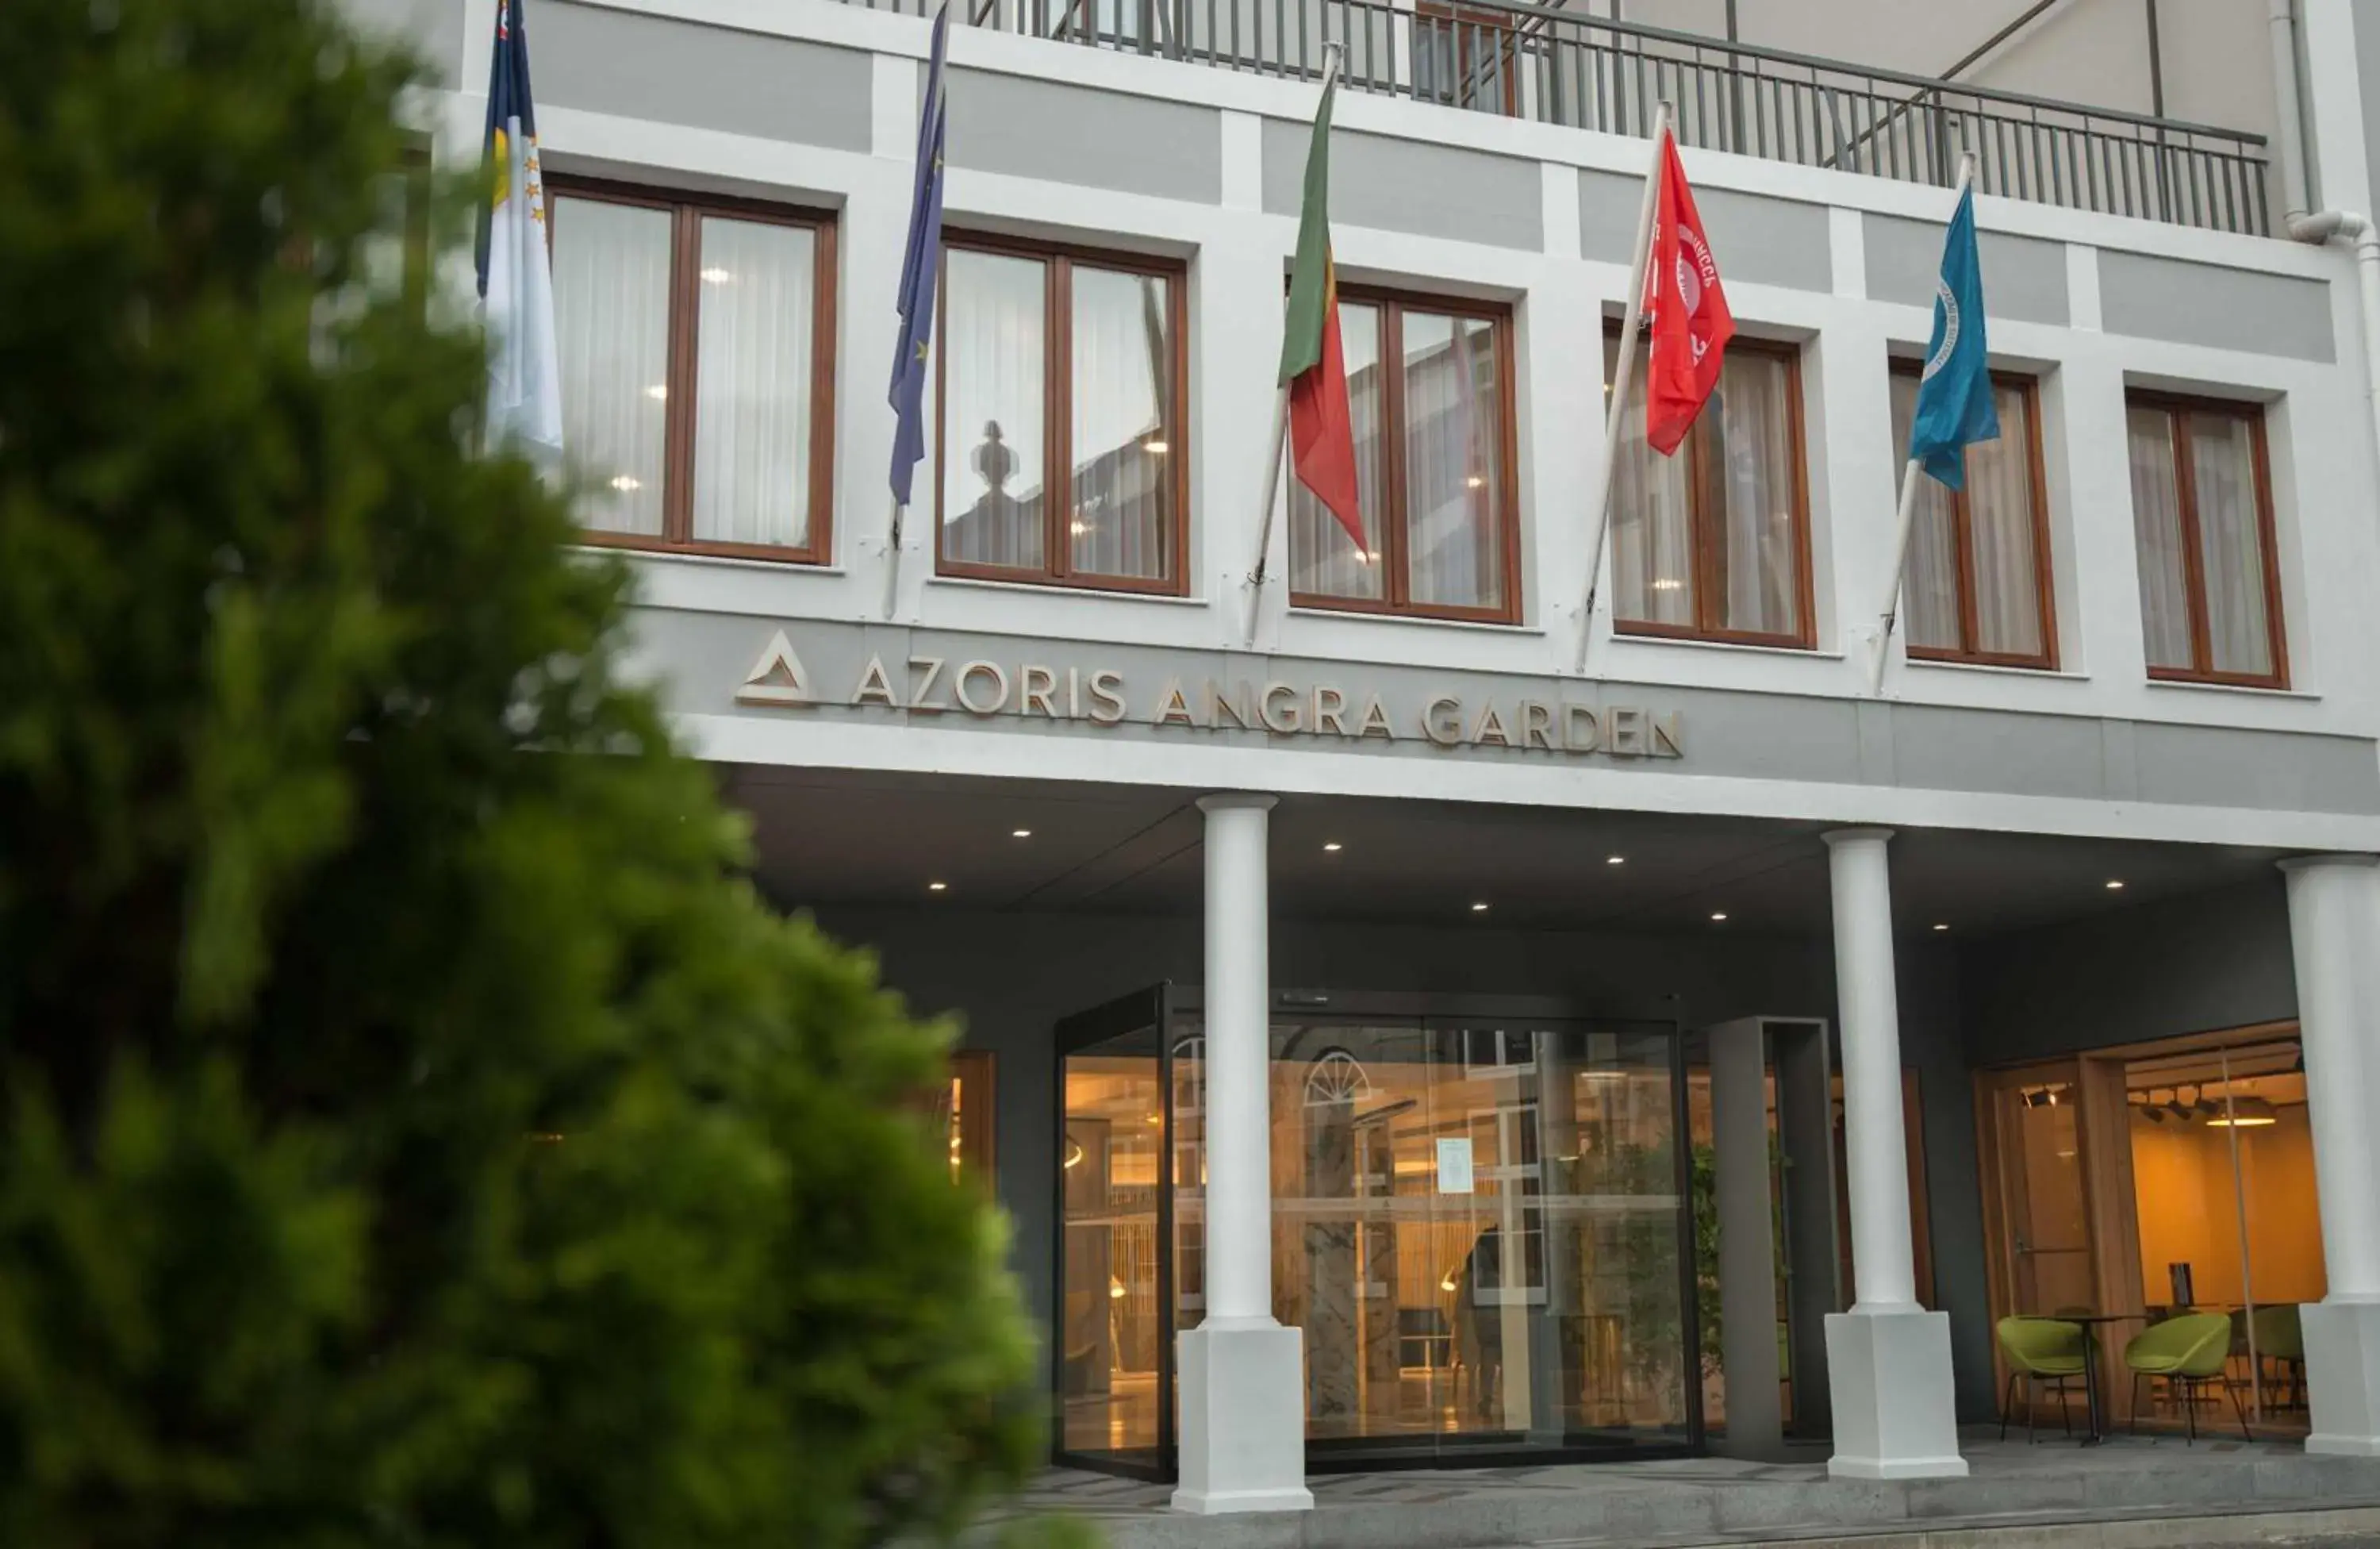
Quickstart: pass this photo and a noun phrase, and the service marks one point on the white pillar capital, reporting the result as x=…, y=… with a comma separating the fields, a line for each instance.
x=1237, y=801
x=2349, y=860
x=1837, y=838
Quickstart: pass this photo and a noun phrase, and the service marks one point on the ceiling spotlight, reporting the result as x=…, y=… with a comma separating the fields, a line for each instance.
x=1479, y=908
x=1718, y=917
x=1156, y=445
x=937, y=887
x=1020, y=834
x=1615, y=861
x=2115, y=885
x=1332, y=847
x=1941, y=926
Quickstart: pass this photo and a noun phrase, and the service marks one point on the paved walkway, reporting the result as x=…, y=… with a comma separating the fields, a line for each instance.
x=1696, y=1501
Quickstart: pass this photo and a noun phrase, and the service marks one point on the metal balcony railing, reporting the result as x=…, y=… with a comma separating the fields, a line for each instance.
x=1533, y=62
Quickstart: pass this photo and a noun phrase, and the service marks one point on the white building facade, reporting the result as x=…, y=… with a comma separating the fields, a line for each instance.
x=1391, y=1038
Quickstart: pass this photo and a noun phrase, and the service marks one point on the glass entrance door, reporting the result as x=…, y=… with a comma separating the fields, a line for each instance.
x=2043, y=1207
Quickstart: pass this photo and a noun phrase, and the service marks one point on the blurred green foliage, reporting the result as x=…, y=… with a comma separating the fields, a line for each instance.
x=411, y=1131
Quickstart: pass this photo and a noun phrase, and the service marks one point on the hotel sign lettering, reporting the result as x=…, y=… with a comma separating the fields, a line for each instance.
x=1104, y=698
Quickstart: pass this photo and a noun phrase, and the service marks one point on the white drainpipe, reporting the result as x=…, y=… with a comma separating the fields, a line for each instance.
x=2321, y=226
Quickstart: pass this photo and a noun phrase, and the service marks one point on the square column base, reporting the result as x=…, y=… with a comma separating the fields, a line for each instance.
x=1896, y=1413
x=2342, y=1373
x=1243, y=1421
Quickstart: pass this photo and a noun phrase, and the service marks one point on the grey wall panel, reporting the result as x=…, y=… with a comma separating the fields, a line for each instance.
x=712, y=77
x=1938, y=748
x=2211, y=961
x=1404, y=185
x=2224, y=766
x=2206, y=304
x=1772, y=241
x=432, y=27
x=2023, y=277
x=1932, y=1044
x=1069, y=134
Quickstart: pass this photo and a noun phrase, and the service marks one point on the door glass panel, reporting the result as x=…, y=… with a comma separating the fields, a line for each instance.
x=2041, y=1189
x=1111, y=1335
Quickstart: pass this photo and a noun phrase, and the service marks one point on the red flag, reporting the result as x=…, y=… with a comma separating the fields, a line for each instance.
x=1688, y=322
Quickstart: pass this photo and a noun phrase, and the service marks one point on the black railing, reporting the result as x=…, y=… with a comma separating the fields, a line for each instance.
x=1525, y=61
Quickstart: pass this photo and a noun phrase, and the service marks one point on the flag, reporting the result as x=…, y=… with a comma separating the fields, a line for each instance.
x=1687, y=321
x=1313, y=366
x=1955, y=405
x=918, y=264
x=516, y=276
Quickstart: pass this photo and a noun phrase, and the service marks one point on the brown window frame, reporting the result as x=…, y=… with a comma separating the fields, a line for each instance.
x=687, y=212
x=1396, y=590
x=1704, y=536
x=2177, y=408
x=1057, y=261
x=2043, y=574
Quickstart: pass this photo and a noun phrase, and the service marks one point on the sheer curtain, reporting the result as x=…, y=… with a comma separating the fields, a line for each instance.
x=1323, y=560
x=1122, y=423
x=2156, y=531
x=611, y=317
x=752, y=386
x=2001, y=538
x=1454, y=440
x=2231, y=543
x=1652, y=529
x=991, y=416
x=1760, y=586
x=1929, y=589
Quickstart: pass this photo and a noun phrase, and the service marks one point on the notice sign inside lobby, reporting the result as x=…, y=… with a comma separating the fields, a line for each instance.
x=1454, y=1164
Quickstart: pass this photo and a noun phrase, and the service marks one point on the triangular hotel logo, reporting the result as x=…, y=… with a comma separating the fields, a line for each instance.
x=777, y=678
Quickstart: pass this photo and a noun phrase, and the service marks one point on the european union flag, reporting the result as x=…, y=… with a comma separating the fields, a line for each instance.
x=1954, y=401
x=917, y=268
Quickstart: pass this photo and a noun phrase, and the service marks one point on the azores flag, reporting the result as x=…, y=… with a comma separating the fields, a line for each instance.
x=918, y=266
x=1954, y=400
x=515, y=278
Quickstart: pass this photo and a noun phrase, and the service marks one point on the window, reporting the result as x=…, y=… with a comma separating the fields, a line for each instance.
x=1434, y=459
x=1714, y=543
x=1978, y=586
x=2203, y=518
x=697, y=346
x=1061, y=371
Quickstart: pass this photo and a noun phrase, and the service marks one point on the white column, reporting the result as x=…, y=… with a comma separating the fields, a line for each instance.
x=1888, y=1360
x=2333, y=919
x=1242, y=1373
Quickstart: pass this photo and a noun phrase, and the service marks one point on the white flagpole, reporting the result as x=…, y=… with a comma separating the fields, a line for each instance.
x=1622, y=376
x=1910, y=472
x=893, y=564
x=1331, y=54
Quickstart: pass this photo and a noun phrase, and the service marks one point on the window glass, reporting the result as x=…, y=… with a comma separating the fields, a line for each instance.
x=1454, y=442
x=611, y=305
x=1324, y=559
x=1652, y=525
x=1996, y=579
x=995, y=322
x=1122, y=389
x=752, y=398
x=1929, y=589
x=2230, y=544
x=2156, y=531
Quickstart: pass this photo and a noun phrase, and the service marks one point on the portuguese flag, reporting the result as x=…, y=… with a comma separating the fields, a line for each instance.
x=1313, y=367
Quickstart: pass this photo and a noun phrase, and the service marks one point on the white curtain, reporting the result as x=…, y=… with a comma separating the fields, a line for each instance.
x=1454, y=439
x=611, y=305
x=1652, y=525
x=752, y=388
x=1123, y=422
x=1323, y=559
x=994, y=334
x=1929, y=591
x=2156, y=531
x=2001, y=538
x=2231, y=542
x=1761, y=587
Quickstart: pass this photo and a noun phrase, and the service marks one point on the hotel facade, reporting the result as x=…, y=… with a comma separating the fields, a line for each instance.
x=1394, y=1041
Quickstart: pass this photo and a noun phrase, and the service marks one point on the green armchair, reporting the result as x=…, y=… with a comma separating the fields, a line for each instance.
x=2041, y=1351
x=2188, y=1352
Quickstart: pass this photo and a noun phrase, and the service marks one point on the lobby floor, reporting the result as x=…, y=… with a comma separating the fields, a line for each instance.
x=2127, y=1492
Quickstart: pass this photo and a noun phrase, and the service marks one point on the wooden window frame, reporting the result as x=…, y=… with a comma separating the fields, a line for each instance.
x=1057, y=261
x=687, y=212
x=1704, y=536
x=2177, y=409
x=1961, y=531
x=1466, y=28
x=1396, y=588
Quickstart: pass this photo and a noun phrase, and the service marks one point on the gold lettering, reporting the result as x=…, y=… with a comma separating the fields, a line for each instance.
x=1107, y=694
x=1281, y=721
x=968, y=674
x=874, y=687
x=1623, y=732
x=1441, y=721
x=1581, y=734
x=1329, y=711
x=1172, y=707
x=1074, y=693
x=1033, y=696
x=1375, y=721
x=1490, y=727
x=1220, y=705
x=919, y=702
x=1669, y=735
x=1537, y=726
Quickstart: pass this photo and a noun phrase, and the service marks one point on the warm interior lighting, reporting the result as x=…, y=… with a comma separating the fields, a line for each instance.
x=1941, y=927
x=1668, y=583
x=1074, y=1154
x=1479, y=908
x=1721, y=915
x=1615, y=861
x=1020, y=834
x=657, y=392
x=1115, y=1289
x=1079, y=527
x=626, y=483
x=714, y=274
x=2244, y=1121
x=2115, y=885
x=1476, y=481
x=1332, y=847
x=937, y=887
x=1447, y=1285
x=1158, y=444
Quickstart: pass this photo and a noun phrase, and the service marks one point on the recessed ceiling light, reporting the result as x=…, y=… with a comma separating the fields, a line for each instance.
x=1719, y=916
x=936, y=887
x=1332, y=847
x=1479, y=908
x=1941, y=927
x=2115, y=885
x=1020, y=834
x=1615, y=861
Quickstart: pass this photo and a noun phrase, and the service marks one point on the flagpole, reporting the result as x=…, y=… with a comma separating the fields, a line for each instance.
x=1621, y=377
x=1910, y=472
x=892, y=562
x=1333, y=53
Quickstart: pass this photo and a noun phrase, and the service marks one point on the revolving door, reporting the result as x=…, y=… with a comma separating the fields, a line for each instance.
x=1480, y=1223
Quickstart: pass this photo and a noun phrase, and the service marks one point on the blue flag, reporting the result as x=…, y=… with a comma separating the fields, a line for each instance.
x=516, y=277
x=917, y=267
x=1954, y=401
